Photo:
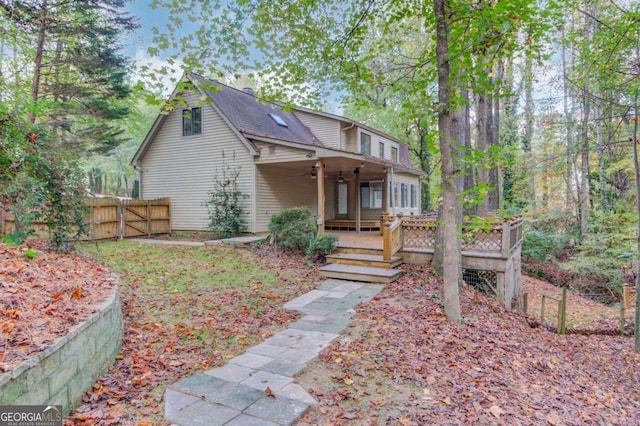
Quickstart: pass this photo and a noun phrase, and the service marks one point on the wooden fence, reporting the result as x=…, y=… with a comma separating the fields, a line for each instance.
x=112, y=218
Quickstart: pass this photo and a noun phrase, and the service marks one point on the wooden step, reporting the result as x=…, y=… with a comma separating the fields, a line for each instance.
x=358, y=250
x=358, y=259
x=360, y=273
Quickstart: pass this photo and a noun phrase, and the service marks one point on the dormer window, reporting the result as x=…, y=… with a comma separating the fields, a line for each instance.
x=365, y=143
x=191, y=121
x=279, y=121
x=394, y=154
x=381, y=149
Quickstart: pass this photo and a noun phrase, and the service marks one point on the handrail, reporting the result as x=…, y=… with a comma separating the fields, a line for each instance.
x=392, y=238
x=500, y=235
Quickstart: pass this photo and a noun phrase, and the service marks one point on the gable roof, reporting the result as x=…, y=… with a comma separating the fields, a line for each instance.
x=252, y=116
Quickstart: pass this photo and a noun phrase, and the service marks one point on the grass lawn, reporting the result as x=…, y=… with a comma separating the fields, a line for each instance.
x=186, y=309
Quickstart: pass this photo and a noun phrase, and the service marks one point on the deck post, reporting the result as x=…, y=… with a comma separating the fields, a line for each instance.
x=320, y=199
x=506, y=238
x=358, y=201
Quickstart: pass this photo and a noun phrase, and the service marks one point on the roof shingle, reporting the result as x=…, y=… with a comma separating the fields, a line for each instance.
x=250, y=115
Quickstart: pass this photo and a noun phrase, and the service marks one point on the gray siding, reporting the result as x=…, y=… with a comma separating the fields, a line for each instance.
x=325, y=129
x=273, y=153
x=351, y=140
x=277, y=189
x=183, y=167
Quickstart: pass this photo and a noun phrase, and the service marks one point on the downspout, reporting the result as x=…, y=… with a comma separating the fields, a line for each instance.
x=393, y=194
x=135, y=167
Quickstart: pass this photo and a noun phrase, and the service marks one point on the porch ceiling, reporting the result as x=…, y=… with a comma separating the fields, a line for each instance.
x=333, y=167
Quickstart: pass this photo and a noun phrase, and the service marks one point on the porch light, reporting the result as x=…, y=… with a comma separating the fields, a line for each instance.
x=314, y=174
x=340, y=177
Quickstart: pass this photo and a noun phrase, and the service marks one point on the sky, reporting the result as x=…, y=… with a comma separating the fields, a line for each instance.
x=136, y=44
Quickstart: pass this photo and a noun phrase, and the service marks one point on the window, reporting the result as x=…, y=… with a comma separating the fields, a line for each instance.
x=414, y=196
x=371, y=195
x=365, y=143
x=279, y=121
x=381, y=149
x=191, y=121
x=395, y=195
x=394, y=153
x=404, y=195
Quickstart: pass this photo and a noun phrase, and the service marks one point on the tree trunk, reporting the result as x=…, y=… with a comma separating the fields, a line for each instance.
x=583, y=193
x=636, y=327
x=425, y=165
x=528, y=129
x=451, y=252
x=493, y=123
x=468, y=183
x=634, y=140
x=568, y=118
x=481, y=144
x=37, y=62
x=604, y=203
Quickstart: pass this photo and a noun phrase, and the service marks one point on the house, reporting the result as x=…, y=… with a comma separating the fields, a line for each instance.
x=347, y=173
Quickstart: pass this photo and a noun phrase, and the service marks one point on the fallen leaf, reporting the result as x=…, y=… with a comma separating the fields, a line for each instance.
x=553, y=419
x=269, y=392
x=496, y=411
x=77, y=294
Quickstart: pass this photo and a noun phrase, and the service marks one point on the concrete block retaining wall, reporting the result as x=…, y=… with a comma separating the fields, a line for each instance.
x=61, y=373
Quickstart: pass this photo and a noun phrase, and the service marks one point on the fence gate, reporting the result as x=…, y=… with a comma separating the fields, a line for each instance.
x=145, y=217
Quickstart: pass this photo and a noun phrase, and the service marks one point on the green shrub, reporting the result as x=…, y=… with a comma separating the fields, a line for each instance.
x=291, y=228
x=226, y=212
x=542, y=245
x=322, y=247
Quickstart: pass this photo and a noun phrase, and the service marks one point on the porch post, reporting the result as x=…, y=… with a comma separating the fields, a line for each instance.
x=392, y=202
x=321, y=210
x=358, y=205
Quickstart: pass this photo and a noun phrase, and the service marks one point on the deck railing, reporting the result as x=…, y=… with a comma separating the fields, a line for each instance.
x=489, y=235
x=392, y=237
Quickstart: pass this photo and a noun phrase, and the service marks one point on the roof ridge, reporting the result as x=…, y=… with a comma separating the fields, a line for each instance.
x=253, y=114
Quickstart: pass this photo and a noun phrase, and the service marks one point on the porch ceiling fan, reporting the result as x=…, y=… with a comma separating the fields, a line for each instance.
x=313, y=173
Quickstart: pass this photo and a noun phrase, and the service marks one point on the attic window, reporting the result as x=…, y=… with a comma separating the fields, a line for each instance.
x=191, y=121
x=279, y=121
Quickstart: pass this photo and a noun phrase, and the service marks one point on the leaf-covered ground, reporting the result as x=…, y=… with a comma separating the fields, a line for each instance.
x=403, y=363
x=42, y=295
x=186, y=309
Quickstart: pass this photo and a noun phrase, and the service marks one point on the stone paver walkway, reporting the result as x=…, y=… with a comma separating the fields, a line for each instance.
x=236, y=393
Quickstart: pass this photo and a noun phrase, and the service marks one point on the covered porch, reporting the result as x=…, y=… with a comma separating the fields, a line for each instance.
x=346, y=191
